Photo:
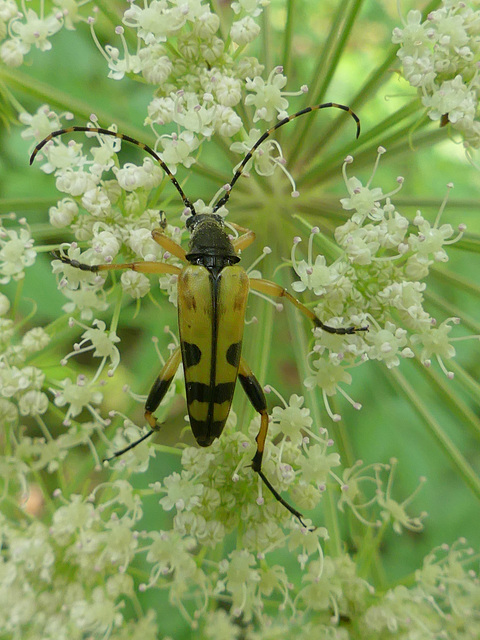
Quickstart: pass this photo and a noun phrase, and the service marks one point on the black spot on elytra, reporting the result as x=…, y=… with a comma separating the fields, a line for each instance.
x=191, y=354
x=233, y=354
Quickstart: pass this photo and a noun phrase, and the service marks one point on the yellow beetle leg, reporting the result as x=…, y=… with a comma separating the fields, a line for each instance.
x=141, y=267
x=273, y=289
x=243, y=241
x=256, y=396
x=168, y=244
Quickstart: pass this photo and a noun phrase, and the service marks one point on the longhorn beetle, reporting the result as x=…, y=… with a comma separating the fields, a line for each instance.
x=212, y=299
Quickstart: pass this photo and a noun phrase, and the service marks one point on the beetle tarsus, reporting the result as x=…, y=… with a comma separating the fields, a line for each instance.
x=132, y=445
x=341, y=331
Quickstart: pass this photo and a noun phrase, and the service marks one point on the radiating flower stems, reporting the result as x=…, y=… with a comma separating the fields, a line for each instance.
x=457, y=460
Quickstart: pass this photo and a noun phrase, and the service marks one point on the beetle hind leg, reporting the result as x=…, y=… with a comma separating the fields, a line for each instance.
x=156, y=395
x=255, y=394
x=273, y=289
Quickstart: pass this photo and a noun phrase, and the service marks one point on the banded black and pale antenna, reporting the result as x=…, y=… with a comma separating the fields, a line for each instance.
x=121, y=136
x=263, y=137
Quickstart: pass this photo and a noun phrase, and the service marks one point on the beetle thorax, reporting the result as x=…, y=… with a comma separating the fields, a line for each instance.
x=209, y=240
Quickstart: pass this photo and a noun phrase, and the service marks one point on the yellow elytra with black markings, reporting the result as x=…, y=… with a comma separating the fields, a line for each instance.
x=212, y=299
x=211, y=311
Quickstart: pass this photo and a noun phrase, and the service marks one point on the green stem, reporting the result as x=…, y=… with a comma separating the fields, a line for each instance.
x=267, y=39
x=452, y=310
x=457, y=460
x=446, y=390
x=395, y=145
x=287, y=41
x=326, y=66
x=62, y=101
x=469, y=384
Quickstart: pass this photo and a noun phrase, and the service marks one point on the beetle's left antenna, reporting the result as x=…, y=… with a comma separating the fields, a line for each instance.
x=122, y=136
x=264, y=136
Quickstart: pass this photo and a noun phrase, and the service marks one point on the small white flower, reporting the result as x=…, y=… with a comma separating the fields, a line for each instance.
x=105, y=244
x=131, y=176
x=156, y=65
x=75, y=183
x=33, y=403
x=12, y=52
x=4, y=304
x=161, y=110
x=35, y=340
x=252, y=7
x=102, y=344
x=327, y=376
x=227, y=123
x=85, y=299
x=267, y=97
x=63, y=214
x=313, y=276
x=16, y=253
x=244, y=31
x=228, y=90
x=155, y=21
x=386, y=344
x=33, y=30
x=182, y=493
x=40, y=124
x=177, y=149
x=136, y=285
x=292, y=419
x=77, y=396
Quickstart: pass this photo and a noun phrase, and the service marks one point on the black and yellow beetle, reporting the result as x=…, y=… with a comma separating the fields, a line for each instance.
x=212, y=300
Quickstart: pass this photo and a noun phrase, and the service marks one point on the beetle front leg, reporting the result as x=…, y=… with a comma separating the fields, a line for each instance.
x=243, y=241
x=273, y=289
x=141, y=267
x=255, y=394
x=156, y=395
x=169, y=245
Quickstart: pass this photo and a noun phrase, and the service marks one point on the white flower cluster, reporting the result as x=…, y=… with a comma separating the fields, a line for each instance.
x=198, y=77
x=23, y=396
x=39, y=600
x=216, y=493
x=441, y=56
x=20, y=383
x=377, y=281
x=22, y=28
x=445, y=585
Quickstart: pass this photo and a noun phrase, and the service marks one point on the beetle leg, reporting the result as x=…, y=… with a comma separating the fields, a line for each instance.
x=160, y=387
x=243, y=241
x=156, y=395
x=256, y=396
x=273, y=289
x=169, y=245
x=142, y=267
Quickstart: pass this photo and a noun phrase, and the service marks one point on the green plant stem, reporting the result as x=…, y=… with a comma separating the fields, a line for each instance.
x=446, y=390
x=448, y=448
x=287, y=40
x=469, y=384
x=326, y=65
x=452, y=310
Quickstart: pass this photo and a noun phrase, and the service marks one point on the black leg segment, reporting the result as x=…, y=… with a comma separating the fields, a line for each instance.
x=256, y=396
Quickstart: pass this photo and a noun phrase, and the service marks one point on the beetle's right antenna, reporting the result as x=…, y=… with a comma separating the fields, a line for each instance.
x=263, y=137
x=122, y=136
